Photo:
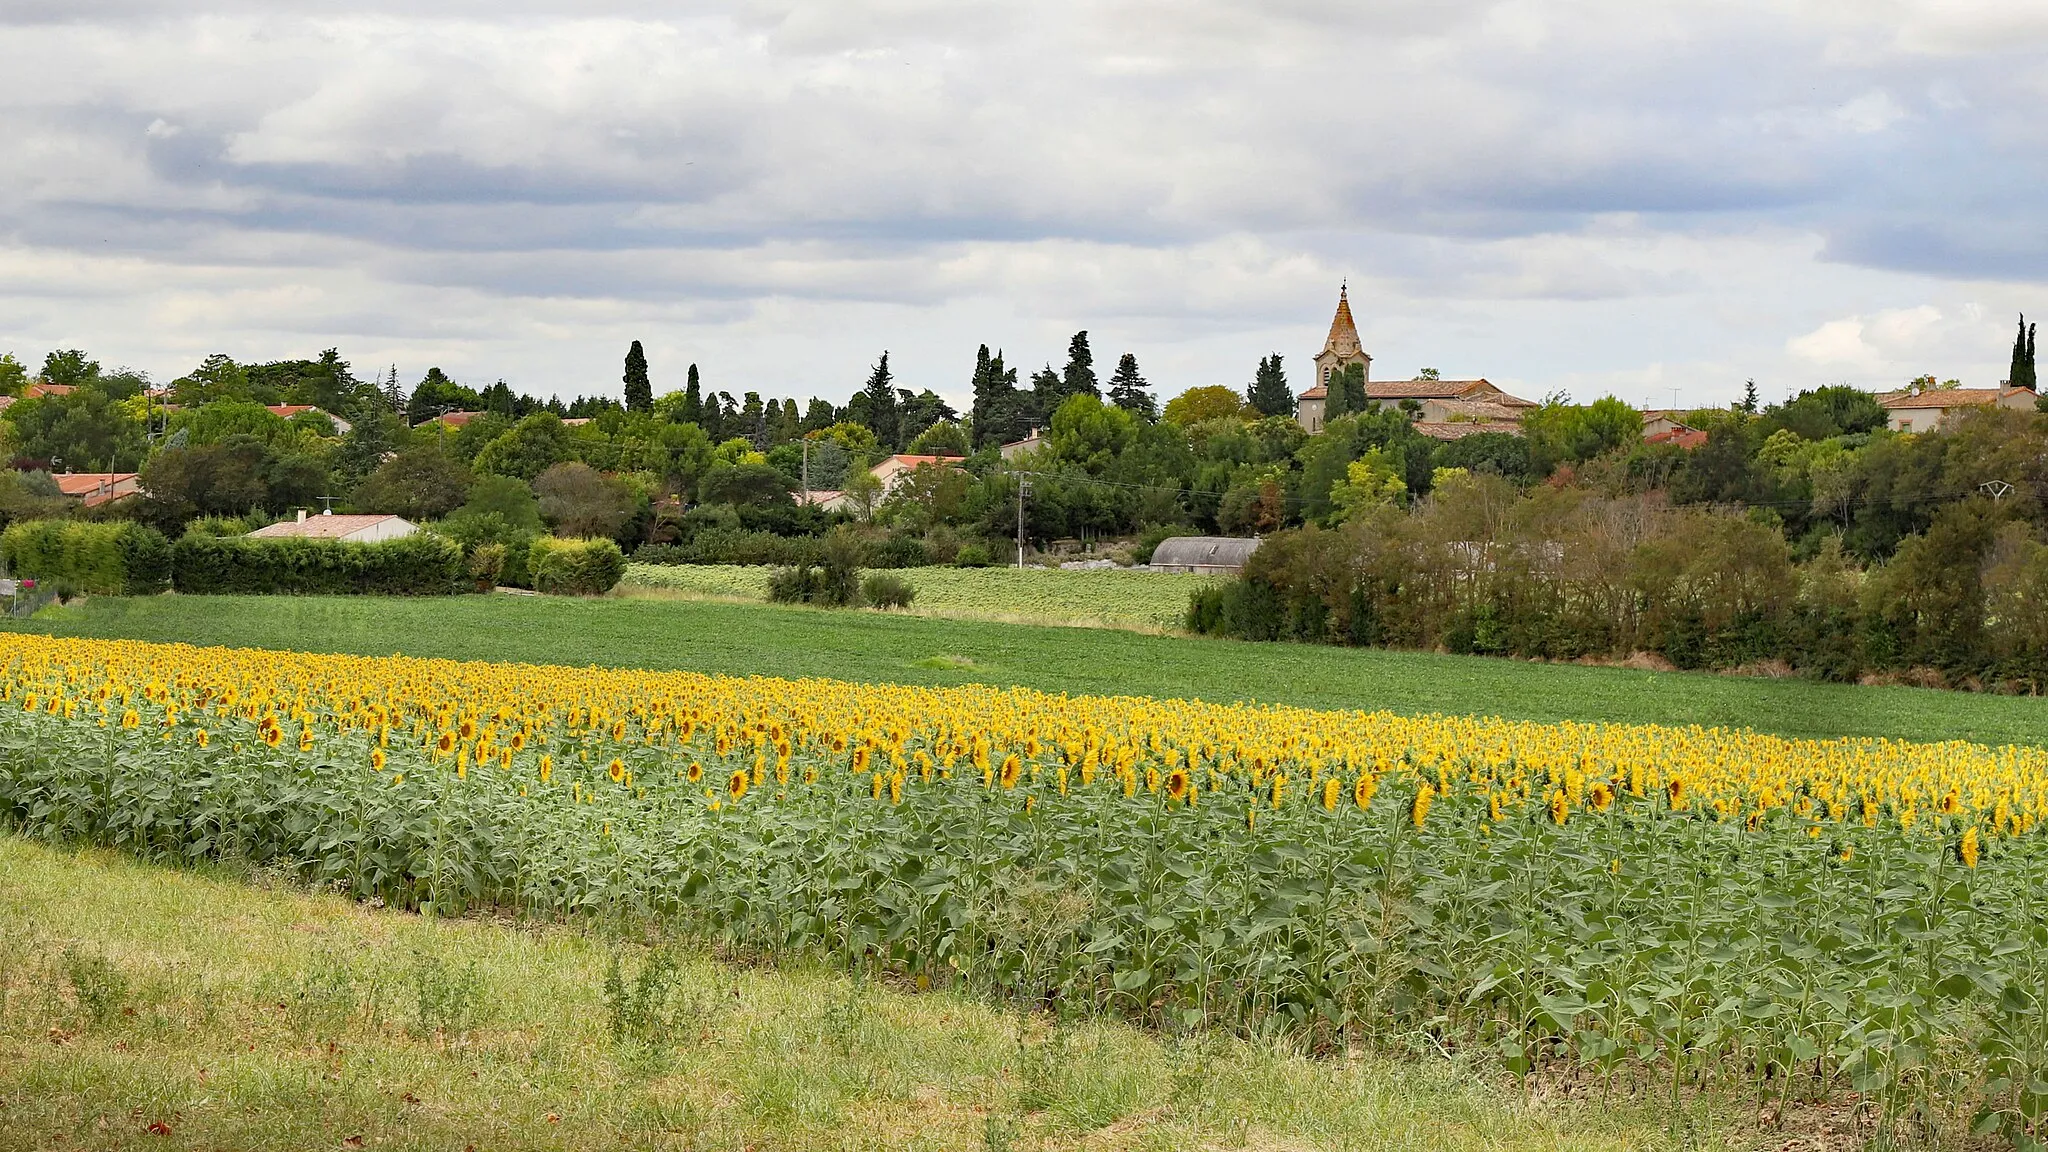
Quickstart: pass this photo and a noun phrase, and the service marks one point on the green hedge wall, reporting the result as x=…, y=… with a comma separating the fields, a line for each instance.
x=106, y=559
x=422, y=564
x=575, y=567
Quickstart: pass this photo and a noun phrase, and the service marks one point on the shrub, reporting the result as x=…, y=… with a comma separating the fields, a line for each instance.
x=882, y=590
x=422, y=564
x=485, y=564
x=973, y=554
x=894, y=552
x=219, y=526
x=794, y=585
x=110, y=559
x=584, y=567
x=1150, y=539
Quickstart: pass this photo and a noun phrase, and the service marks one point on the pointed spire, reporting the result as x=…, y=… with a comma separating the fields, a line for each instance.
x=1343, y=331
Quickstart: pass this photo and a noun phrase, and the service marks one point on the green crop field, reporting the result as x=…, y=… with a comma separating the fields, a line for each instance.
x=747, y=639
x=1154, y=601
x=142, y=1007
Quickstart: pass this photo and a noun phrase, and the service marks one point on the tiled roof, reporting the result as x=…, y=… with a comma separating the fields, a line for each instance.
x=1686, y=438
x=1459, y=429
x=1946, y=397
x=87, y=483
x=1319, y=392
x=1343, y=332
x=322, y=527
x=911, y=461
x=1421, y=389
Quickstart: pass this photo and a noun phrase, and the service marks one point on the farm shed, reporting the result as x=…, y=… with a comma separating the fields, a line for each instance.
x=1204, y=555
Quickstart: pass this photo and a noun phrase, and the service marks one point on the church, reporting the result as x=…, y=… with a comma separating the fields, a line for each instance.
x=1442, y=409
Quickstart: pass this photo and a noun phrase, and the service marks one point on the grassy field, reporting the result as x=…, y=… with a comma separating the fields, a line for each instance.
x=768, y=640
x=169, y=1010
x=1149, y=601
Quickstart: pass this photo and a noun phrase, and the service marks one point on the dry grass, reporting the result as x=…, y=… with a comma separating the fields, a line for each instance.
x=169, y=1010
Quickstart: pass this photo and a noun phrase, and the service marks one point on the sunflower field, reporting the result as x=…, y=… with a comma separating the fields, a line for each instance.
x=1690, y=906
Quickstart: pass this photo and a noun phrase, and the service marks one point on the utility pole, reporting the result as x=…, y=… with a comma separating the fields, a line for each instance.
x=1023, y=490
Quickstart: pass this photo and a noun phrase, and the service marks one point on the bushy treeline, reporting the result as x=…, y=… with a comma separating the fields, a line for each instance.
x=128, y=559
x=1563, y=573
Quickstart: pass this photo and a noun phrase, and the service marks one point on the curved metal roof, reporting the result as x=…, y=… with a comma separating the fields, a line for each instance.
x=1231, y=551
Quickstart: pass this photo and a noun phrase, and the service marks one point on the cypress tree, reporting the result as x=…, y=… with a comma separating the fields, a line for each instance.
x=1127, y=390
x=1269, y=392
x=1080, y=374
x=693, y=400
x=639, y=393
x=2022, y=374
x=881, y=395
x=983, y=412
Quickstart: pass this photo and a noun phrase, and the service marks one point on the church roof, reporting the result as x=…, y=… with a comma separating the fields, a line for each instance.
x=1424, y=389
x=1343, y=332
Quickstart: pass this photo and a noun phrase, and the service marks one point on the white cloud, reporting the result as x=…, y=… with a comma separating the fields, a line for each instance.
x=1554, y=193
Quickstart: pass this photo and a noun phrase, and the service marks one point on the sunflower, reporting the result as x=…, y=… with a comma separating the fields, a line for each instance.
x=1560, y=808
x=377, y=759
x=272, y=735
x=1968, y=849
x=1011, y=771
x=896, y=789
x=1600, y=796
x=616, y=770
x=1362, y=792
x=695, y=773
x=130, y=719
x=306, y=738
x=1676, y=790
x=446, y=743
x=1424, y=797
x=1176, y=784
x=547, y=768
x=618, y=730
x=1333, y=790
x=200, y=737
x=468, y=727
x=736, y=784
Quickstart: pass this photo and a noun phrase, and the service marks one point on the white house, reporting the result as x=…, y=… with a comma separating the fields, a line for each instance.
x=328, y=526
x=1930, y=408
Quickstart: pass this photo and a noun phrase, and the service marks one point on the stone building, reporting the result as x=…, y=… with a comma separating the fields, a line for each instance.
x=1444, y=409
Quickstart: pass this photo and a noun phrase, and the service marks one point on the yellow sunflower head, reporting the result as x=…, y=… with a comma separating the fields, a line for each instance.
x=736, y=784
x=616, y=770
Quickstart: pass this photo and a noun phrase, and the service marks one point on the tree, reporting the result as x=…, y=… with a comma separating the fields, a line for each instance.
x=743, y=483
x=420, y=483
x=880, y=395
x=1821, y=413
x=528, y=448
x=13, y=375
x=578, y=500
x=1345, y=393
x=509, y=499
x=69, y=367
x=922, y=411
x=1079, y=377
x=436, y=395
x=85, y=431
x=944, y=438
x=1208, y=403
x=394, y=394
x=1127, y=390
x=999, y=408
x=1748, y=403
x=1270, y=393
x=2022, y=375
x=639, y=393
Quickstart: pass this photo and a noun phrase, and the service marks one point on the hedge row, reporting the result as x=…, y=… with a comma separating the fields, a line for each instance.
x=106, y=559
x=128, y=559
x=740, y=546
x=422, y=564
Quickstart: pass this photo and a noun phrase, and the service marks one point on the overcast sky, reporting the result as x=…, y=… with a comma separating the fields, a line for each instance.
x=1588, y=197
